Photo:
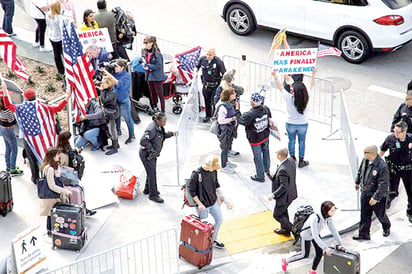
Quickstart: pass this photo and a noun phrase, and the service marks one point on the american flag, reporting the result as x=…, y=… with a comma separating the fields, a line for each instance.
x=8, y=53
x=328, y=51
x=38, y=127
x=186, y=63
x=79, y=70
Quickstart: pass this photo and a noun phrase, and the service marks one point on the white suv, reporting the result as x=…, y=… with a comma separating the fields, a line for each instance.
x=356, y=27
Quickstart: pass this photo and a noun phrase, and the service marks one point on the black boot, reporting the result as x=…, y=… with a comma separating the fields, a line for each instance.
x=302, y=163
x=115, y=146
x=111, y=147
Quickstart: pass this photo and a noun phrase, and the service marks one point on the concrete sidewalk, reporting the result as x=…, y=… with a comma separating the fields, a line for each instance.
x=121, y=221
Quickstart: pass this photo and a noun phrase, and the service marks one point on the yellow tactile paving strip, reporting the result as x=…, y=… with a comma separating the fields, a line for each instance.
x=250, y=232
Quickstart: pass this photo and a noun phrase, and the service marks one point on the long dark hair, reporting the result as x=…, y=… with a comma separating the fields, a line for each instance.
x=155, y=47
x=49, y=158
x=325, y=207
x=85, y=15
x=301, y=96
x=63, y=144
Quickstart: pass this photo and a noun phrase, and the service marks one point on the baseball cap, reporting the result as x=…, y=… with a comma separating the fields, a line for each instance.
x=256, y=98
x=228, y=76
x=29, y=94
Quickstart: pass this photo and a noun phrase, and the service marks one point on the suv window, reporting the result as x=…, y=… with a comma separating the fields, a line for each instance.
x=358, y=3
x=396, y=4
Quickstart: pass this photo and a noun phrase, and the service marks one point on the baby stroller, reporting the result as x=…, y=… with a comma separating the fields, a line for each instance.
x=179, y=77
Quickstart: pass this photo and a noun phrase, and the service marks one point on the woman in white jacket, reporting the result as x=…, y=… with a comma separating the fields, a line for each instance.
x=311, y=233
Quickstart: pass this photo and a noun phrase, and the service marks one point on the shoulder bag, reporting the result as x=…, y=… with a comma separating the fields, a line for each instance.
x=43, y=190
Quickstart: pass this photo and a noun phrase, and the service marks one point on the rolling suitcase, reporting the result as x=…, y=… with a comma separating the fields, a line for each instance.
x=342, y=262
x=68, y=231
x=77, y=197
x=6, y=195
x=196, y=241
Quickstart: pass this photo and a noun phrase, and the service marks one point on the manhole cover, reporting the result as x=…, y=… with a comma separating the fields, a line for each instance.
x=340, y=83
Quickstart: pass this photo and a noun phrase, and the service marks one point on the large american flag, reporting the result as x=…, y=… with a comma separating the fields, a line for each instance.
x=324, y=51
x=38, y=127
x=79, y=70
x=8, y=53
x=186, y=63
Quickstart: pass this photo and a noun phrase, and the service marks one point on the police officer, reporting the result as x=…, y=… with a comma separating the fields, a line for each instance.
x=399, y=163
x=404, y=112
x=213, y=69
x=373, y=179
x=151, y=145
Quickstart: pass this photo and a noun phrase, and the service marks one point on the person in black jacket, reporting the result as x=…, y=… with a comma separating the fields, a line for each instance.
x=151, y=145
x=373, y=179
x=205, y=190
x=404, y=112
x=283, y=190
x=257, y=122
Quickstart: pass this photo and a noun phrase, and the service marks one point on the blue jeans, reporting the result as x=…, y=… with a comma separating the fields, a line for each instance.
x=126, y=113
x=10, y=141
x=261, y=158
x=214, y=210
x=299, y=130
x=8, y=7
x=91, y=136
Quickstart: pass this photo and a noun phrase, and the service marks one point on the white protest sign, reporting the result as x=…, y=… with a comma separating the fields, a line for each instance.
x=294, y=61
x=98, y=37
x=27, y=251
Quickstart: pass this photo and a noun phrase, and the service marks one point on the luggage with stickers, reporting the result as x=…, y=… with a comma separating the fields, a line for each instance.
x=68, y=229
x=196, y=241
x=6, y=195
x=342, y=262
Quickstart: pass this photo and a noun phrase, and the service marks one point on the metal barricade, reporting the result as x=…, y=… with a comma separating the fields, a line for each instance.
x=156, y=254
x=252, y=76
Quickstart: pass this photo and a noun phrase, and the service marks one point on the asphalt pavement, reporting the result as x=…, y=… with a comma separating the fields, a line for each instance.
x=121, y=221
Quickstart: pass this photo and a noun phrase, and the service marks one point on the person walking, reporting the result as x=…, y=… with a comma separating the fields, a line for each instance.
x=257, y=123
x=154, y=72
x=151, y=145
x=404, y=112
x=399, y=162
x=54, y=23
x=373, y=180
x=38, y=9
x=8, y=7
x=283, y=190
x=213, y=69
x=226, y=118
x=205, y=190
x=297, y=115
x=311, y=234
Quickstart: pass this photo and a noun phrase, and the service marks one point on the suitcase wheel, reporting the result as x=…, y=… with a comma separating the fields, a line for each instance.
x=177, y=109
x=177, y=99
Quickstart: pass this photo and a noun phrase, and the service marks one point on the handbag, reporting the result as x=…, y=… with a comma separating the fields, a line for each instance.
x=43, y=190
x=214, y=127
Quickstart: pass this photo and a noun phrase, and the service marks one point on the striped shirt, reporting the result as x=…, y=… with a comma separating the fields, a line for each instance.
x=7, y=118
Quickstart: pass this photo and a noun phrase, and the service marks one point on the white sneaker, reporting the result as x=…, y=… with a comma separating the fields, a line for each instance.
x=45, y=49
x=36, y=44
x=232, y=153
x=231, y=165
x=227, y=170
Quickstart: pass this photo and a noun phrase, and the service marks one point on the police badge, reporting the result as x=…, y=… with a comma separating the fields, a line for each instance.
x=374, y=172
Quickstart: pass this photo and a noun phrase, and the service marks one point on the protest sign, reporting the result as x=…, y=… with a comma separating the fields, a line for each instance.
x=98, y=37
x=294, y=61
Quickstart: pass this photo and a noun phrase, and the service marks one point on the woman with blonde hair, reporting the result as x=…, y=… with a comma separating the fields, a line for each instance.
x=54, y=23
x=51, y=171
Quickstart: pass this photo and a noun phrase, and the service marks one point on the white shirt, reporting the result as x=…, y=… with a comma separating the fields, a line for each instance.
x=36, y=12
x=293, y=116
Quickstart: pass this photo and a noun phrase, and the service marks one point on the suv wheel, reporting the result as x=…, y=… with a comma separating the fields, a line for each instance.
x=240, y=20
x=354, y=47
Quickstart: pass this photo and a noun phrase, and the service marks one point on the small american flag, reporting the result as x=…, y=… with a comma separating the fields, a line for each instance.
x=186, y=63
x=8, y=53
x=38, y=127
x=79, y=71
x=328, y=51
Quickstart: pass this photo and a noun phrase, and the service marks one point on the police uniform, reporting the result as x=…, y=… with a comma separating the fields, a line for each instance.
x=373, y=178
x=404, y=113
x=400, y=166
x=212, y=73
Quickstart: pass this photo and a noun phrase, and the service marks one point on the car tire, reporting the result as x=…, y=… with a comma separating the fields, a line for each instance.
x=354, y=46
x=240, y=20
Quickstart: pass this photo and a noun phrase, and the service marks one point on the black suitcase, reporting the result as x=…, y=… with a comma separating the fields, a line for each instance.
x=6, y=195
x=68, y=231
x=342, y=262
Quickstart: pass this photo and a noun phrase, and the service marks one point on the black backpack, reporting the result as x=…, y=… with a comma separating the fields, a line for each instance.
x=187, y=197
x=76, y=161
x=301, y=215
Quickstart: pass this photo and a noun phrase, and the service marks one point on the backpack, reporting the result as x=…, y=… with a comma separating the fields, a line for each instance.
x=76, y=161
x=301, y=215
x=187, y=197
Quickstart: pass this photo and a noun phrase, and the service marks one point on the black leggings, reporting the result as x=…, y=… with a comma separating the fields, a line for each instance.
x=58, y=55
x=40, y=31
x=304, y=253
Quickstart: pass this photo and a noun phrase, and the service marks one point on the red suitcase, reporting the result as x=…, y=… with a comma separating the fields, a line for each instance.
x=196, y=241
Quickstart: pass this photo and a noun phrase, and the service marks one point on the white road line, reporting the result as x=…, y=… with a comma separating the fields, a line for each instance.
x=386, y=91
